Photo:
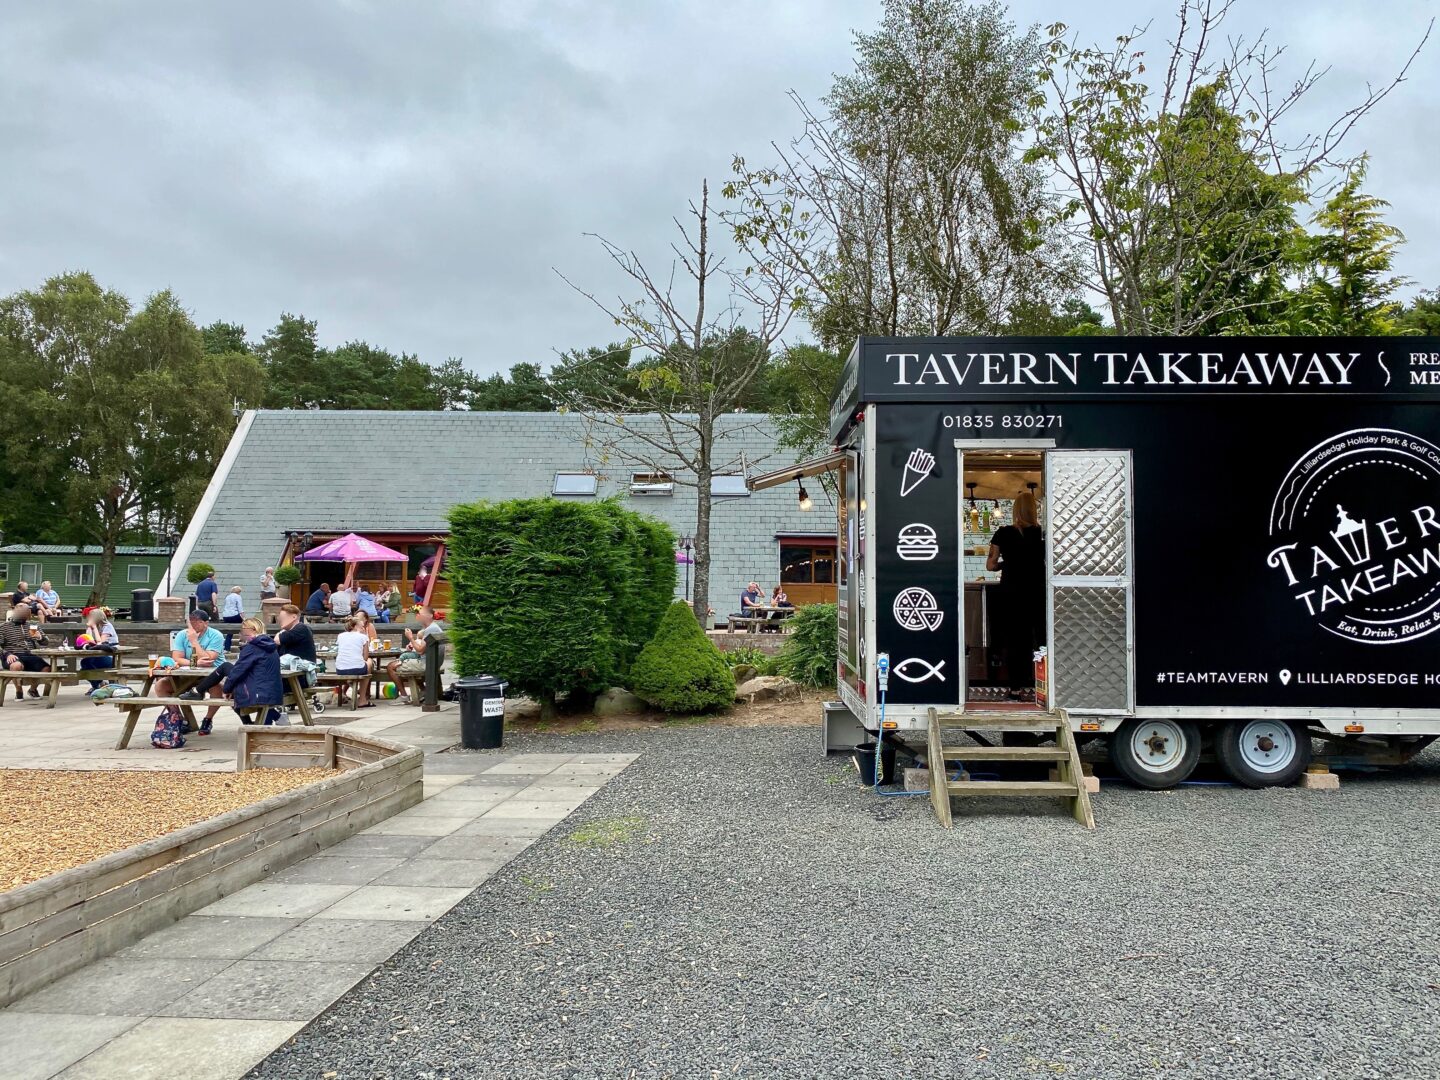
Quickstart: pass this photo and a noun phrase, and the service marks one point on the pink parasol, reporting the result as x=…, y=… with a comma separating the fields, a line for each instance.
x=351, y=548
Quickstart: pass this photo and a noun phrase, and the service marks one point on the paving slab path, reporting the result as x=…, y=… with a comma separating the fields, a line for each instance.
x=211, y=995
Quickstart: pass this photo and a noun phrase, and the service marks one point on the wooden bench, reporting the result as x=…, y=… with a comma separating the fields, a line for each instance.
x=337, y=681
x=296, y=693
x=53, y=680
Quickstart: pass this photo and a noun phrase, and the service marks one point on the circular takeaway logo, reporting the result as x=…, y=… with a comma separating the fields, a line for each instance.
x=915, y=609
x=1355, y=535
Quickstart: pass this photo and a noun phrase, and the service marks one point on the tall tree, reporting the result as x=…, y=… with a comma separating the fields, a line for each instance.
x=1183, y=196
x=1421, y=316
x=1351, y=290
x=291, y=355
x=909, y=208
x=222, y=337
x=704, y=333
x=121, y=412
x=526, y=390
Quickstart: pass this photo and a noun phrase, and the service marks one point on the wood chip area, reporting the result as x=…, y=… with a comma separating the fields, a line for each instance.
x=52, y=820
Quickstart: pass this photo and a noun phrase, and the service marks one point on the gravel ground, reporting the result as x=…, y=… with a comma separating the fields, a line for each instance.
x=766, y=917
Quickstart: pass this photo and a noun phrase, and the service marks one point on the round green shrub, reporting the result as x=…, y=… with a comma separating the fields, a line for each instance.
x=810, y=655
x=289, y=574
x=198, y=572
x=680, y=670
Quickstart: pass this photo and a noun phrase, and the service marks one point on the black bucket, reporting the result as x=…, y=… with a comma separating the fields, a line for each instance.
x=864, y=758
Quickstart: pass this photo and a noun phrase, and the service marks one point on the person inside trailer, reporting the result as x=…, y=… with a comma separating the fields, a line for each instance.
x=1018, y=552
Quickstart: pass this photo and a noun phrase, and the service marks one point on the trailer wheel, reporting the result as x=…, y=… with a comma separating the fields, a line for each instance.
x=1155, y=754
x=1263, y=753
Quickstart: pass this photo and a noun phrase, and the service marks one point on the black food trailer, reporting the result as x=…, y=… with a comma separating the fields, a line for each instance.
x=1241, y=544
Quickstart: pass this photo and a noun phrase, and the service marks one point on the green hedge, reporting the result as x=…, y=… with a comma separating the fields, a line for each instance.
x=681, y=670
x=812, y=651
x=555, y=597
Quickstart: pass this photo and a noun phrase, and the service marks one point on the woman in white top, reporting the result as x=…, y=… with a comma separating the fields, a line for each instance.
x=267, y=583
x=352, y=657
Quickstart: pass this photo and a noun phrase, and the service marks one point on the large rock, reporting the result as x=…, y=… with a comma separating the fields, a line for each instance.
x=617, y=702
x=767, y=688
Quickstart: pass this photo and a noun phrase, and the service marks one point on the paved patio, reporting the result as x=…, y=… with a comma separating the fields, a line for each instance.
x=213, y=994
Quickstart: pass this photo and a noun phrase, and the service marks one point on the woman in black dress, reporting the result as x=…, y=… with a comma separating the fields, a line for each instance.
x=1018, y=552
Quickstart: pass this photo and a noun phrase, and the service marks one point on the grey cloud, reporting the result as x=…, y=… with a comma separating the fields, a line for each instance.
x=408, y=174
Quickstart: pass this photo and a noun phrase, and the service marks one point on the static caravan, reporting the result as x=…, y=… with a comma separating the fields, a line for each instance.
x=1238, y=545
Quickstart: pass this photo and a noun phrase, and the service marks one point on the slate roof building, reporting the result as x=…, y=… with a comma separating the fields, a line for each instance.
x=392, y=477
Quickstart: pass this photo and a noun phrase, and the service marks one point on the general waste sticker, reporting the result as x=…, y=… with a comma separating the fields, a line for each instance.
x=1355, y=535
x=492, y=706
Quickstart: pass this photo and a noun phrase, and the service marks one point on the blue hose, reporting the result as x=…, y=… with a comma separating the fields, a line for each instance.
x=879, y=746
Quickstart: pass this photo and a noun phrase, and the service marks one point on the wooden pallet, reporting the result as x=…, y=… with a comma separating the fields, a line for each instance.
x=1064, y=755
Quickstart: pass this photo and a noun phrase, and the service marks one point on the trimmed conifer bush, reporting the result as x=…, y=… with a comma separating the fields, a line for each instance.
x=555, y=597
x=812, y=651
x=198, y=572
x=680, y=670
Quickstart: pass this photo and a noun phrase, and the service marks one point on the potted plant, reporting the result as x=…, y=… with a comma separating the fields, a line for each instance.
x=286, y=576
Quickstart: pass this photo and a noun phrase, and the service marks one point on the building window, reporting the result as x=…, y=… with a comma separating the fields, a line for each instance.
x=574, y=483
x=4, y=571
x=80, y=575
x=137, y=574
x=728, y=486
x=652, y=483
x=807, y=564
x=30, y=573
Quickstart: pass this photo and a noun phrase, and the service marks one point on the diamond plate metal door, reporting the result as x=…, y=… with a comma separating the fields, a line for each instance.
x=1088, y=511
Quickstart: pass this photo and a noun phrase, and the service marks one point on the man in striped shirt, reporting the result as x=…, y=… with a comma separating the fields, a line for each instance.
x=16, y=641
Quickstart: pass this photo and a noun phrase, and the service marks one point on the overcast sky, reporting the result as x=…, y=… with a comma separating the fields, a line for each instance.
x=408, y=174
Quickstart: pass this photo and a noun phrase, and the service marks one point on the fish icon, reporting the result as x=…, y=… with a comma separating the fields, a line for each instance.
x=922, y=670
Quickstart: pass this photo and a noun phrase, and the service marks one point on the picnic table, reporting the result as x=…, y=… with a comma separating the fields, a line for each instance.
x=296, y=693
x=765, y=615
x=59, y=657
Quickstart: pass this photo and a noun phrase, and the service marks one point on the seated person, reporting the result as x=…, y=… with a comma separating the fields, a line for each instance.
x=295, y=638
x=341, y=603
x=352, y=657
x=232, y=610
x=17, y=640
x=21, y=594
x=412, y=661
x=318, y=605
x=254, y=677
x=49, y=606
x=101, y=632
x=365, y=601
x=780, y=605
x=753, y=596
x=200, y=645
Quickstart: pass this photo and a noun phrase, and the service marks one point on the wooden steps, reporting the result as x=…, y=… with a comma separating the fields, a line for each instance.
x=1003, y=753
x=1070, y=785
x=1011, y=787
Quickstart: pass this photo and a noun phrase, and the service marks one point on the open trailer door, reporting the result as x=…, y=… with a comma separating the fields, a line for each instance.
x=1088, y=509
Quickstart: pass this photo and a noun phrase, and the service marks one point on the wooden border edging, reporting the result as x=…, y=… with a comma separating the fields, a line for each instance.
x=53, y=926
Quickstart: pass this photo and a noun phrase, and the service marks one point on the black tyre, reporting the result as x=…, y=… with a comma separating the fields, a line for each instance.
x=1155, y=754
x=1263, y=753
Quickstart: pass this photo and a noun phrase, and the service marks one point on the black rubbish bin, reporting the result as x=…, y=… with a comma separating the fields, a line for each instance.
x=482, y=711
x=142, y=605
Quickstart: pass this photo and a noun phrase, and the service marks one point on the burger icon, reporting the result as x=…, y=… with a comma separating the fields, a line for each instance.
x=917, y=543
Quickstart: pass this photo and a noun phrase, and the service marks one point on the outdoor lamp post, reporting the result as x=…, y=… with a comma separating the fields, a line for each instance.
x=687, y=545
x=172, y=541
